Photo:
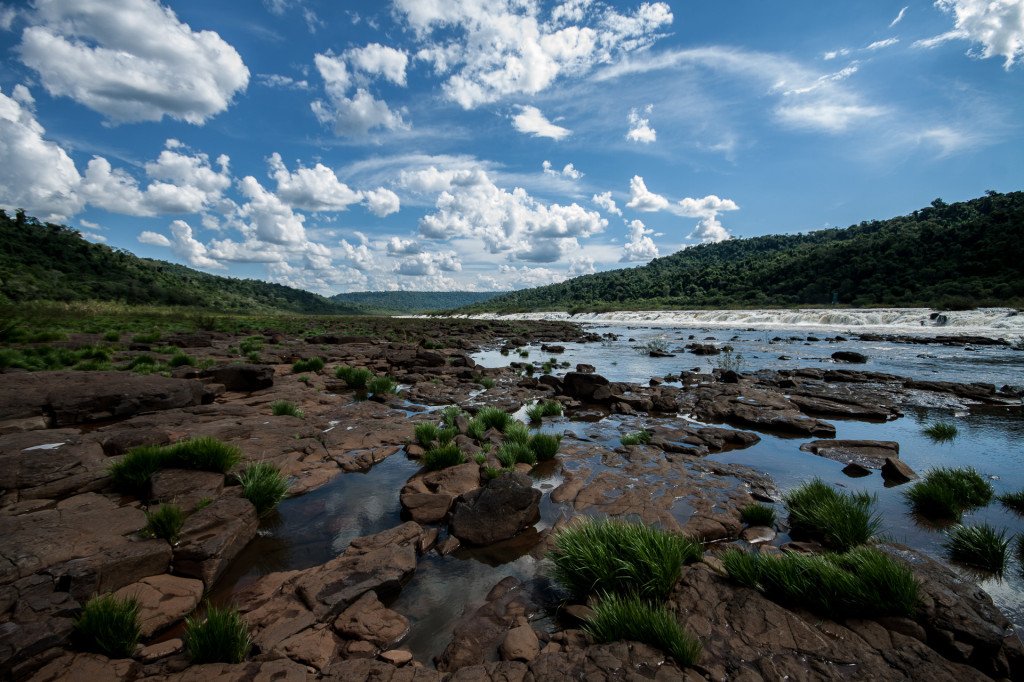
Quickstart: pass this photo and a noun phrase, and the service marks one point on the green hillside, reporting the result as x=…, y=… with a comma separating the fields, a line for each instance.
x=946, y=255
x=397, y=302
x=43, y=261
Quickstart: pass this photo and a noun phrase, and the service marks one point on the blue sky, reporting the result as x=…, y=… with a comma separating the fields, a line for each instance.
x=494, y=144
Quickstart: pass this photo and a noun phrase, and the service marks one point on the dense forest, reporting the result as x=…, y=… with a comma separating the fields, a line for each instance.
x=398, y=302
x=44, y=261
x=958, y=255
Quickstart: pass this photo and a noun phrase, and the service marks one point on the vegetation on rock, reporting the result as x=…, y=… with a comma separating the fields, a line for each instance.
x=110, y=625
x=840, y=521
x=220, y=637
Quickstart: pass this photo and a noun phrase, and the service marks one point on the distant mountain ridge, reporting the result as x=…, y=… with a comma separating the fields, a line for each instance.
x=959, y=255
x=397, y=302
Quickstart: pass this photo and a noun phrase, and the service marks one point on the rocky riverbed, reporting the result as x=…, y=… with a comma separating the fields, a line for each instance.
x=351, y=610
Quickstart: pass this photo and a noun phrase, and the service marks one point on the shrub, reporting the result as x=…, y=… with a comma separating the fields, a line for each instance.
x=263, y=485
x=608, y=556
x=110, y=625
x=131, y=475
x=222, y=637
x=862, y=582
x=494, y=418
x=205, y=453
x=281, y=408
x=442, y=457
x=426, y=433
x=941, y=431
x=544, y=446
x=354, y=377
x=980, y=546
x=616, y=618
x=755, y=514
x=310, y=365
x=838, y=520
x=381, y=386
x=180, y=359
x=1014, y=501
x=165, y=522
x=450, y=414
x=513, y=452
x=946, y=493
x=642, y=437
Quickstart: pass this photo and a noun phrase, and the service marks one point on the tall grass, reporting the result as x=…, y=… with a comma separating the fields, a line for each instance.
x=354, y=377
x=381, y=386
x=615, y=557
x=545, y=408
x=629, y=618
x=131, y=475
x=165, y=522
x=263, y=485
x=450, y=414
x=1014, y=501
x=476, y=429
x=282, y=408
x=755, y=514
x=980, y=546
x=514, y=452
x=840, y=521
x=443, y=456
x=110, y=625
x=544, y=446
x=946, y=493
x=494, y=418
x=941, y=432
x=425, y=433
x=205, y=453
x=308, y=365
x=516, y=432
x=862, y=582
x=222, y=637
x=642, y=437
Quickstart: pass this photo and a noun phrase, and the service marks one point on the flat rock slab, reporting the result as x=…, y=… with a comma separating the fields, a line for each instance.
x=163, y=600
x=213, y=536
x=370, y=621
x=870, y=454
x=186, y=487
x=53, y=464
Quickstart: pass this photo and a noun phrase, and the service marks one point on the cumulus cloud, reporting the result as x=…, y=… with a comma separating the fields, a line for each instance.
x=380, y=60
x=708, y=229
x=642, y=199
x=397, y=246
x=270, y=219
x=429, y=264
x=997, y=25
x=640, y=246
x=312, y=189
x=496, y=49
x=274, y=80
x=185, y=246
x=582, y=265
x=382, y=202
x=353, y=116
x=640, y=129
x=36, y=174
x=153, y=238
x=568, y=171
x=605, y=201
x=531, y=121
x=131, y=60
x=358, y=257
x=526, y=276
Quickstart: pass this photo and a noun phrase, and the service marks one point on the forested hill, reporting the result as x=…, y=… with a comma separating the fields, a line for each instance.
x=946, y=255
x=398, y=302
x=43, y=261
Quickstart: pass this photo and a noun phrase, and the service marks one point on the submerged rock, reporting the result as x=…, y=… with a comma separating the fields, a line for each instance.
x=505, y=506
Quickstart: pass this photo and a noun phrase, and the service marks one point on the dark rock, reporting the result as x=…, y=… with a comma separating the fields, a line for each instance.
x=854, y=470
x=552, y=348
x=895, y=470
x=870, y=454
x=584, y=386
x=584, y=368
x=703, y=349
x=849, y=356
x=505, y=506
x=242, y=378
x=213, y=536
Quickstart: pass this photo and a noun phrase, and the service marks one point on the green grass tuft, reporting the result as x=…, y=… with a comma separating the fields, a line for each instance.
x=476, y=429
x=637, y=438
x=946, y=493
x=132, y=473
x=450, y=414
x=494, y=418
x=180, y=359
x=310, y=365
x=263, y=485
x=486, y=382
x=941, y=432
x=840, y=521
x=282, y=408
x=517, y=432
x=1014, y=501
x=980, y=546
x=425, y=433
x=608, y=556
x=862, y=582
x=165, y=522
x=756, y=514
x=443, y=456
x=629, y=618
x=110, y=625
x=381, y=386
x=511, y=453
x=354, y=377
x=205, y=453
x=545, y=446
x=222, y=637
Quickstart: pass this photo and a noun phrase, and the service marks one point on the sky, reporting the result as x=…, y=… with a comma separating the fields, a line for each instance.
x=494, y=144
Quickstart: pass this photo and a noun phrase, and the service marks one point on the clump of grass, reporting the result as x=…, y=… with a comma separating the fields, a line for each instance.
x=544, y=408
x=476, y=429
x=609, y=556
x=281, y=408
x=132, y=473
x=494, y=418
x=862, y=582
x=181, y=359
x=205, y=453
x=354, y=377
x=165, y=522
x=308, y=365
x=263, y=485
x=222, y=637
x=980, y=546
x=513, y=452
x=544, y=446
x=425, y=433
x=492, y=472
x=756, y=514
x=616, y=618
x=253, y=344
x=443, y=456
x=450, y=414
x=840, y=521
x=486, y=382
x=516, y=432
x=642, y=437
x=1014, y=501
x=480, y=458
x=381, y=386
x=112, y=337
x=946, y=493
x=110, y=625
x=446, y=435
x=941, y=432
x=151, y=337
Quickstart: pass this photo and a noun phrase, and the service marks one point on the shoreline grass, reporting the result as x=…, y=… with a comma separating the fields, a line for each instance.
x=221, y=637
x=642, y=437
x=442, y=457
x=946, y=493
x=110, y=625
x=629, y=618
x=980, y=546
x=840, y=521
x=757, y=514
x=282, y=408
x=941, y=432
x=263, y=485
x=165, y=522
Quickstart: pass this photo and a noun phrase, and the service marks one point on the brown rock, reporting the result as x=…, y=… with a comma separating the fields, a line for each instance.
x=427, y=507
x=505, y=506
x=155, y=652
x=163, y=600
x=396, y=657
x=454, y=481
x=244, y=378
x=867, y=453
x=369, y=620
x=450, y=544
x=520, y=644
x=896, y=470
x=186, y=487
x=317, y=646
x=213, y=536
x=81, y=667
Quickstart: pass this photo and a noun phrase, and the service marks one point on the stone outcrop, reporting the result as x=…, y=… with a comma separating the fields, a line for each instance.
x=507, y=505
x=212, y=537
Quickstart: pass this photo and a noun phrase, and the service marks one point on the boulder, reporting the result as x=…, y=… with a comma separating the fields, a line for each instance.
x=867, y=453
x=520, y=644
x=213, y=536
x=163, y=600
x=370, y=621
x=242, y=378
x=426, y=507
x=895, y=470
x=505, y=506
x=186, y=487
x=849, y=356
x=583, y=386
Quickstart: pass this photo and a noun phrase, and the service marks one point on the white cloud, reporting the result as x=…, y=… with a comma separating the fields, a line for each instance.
x=525, y=276
x=382, y=202
x=827, y=116
x=605, y=201
x=184, y=245
x=640, y=246
x=642, y=199
x=131, y=60
x=312, y=189
x=899, y=17
x=708, y=229
x=403, y=247
x=640, y=129
x=358, y=115
x=531, y=121
x=153, y=238
x=380, y=60
x=568, y=171
x=880, y=44
x=429, y=264
x=274, y=80
x=358, y=257
x=271, y=220
x=583, y=265
x=495, y=49
x=998, y=25
x=7, y=17
x=36, y=174
x=832, y=54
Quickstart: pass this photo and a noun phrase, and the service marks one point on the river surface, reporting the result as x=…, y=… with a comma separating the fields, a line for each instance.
x=315, y=527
